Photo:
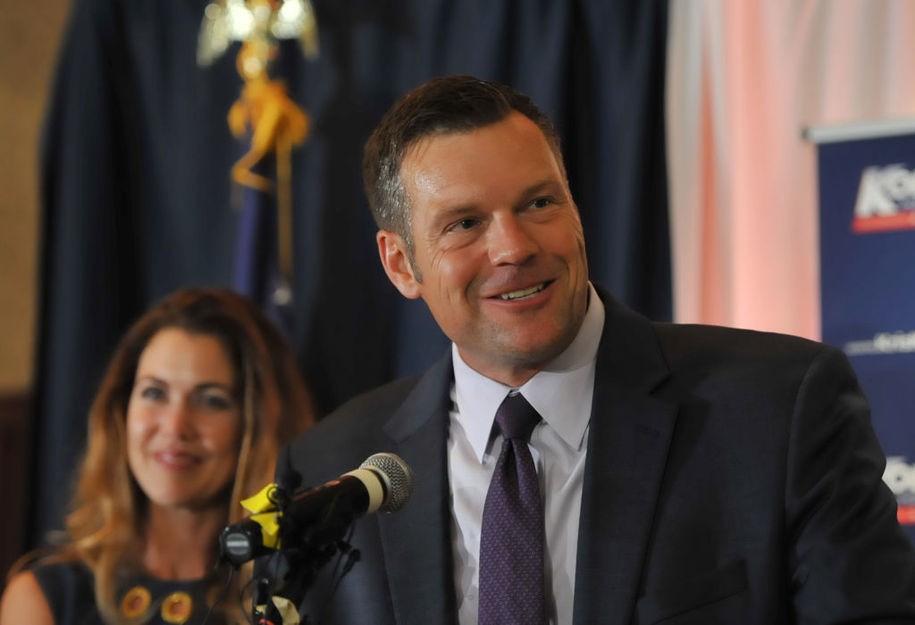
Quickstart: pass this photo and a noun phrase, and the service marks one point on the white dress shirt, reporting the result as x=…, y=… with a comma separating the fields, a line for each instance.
x=562, y=394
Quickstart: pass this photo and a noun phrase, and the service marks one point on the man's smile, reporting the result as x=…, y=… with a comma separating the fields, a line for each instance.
x=522, y=293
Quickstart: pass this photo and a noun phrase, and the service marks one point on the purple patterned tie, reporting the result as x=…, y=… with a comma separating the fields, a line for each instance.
x=512, y=536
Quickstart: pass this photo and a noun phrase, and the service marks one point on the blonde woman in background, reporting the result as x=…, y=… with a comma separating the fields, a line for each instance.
x=197, y=399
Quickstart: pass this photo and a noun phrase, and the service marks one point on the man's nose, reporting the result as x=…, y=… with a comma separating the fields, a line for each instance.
x=510, y=241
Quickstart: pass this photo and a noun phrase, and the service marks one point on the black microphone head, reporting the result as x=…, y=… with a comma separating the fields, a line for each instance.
x=397, y=476
x=241, y=542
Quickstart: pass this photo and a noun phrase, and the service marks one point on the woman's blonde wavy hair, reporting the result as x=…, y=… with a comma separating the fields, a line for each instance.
x=105, y=522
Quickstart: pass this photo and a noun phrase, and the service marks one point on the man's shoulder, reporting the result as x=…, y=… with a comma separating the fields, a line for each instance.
x=727, y=342
x=365, y=412
x=694, y=341
x=735, y=358
x=379, y=401
x=348, y=435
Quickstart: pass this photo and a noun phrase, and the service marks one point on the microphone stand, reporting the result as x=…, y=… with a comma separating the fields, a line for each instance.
x=263, y=610
x=305, y=548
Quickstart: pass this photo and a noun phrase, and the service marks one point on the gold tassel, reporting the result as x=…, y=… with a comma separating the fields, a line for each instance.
x=276, y=125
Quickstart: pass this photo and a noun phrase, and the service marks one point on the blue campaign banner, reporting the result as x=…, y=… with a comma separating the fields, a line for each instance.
x=867, y=278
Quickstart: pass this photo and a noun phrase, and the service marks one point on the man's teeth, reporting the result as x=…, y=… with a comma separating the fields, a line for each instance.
x=522, y=293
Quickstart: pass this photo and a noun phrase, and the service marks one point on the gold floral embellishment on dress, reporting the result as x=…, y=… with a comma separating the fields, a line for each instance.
x=177, y=608
x=135, y=602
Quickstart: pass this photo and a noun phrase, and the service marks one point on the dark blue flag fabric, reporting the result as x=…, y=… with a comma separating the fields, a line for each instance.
x=256, y=271
x=272, y=125
x=138, y=198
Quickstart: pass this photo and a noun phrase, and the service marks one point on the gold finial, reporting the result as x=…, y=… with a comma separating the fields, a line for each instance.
x=225, y=21
x=263, y=110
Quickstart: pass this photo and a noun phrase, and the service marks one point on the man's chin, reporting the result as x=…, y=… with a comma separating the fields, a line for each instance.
x=532, y=351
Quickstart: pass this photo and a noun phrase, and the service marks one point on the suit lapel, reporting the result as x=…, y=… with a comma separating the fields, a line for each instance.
x=416, y=540
x=629, y=437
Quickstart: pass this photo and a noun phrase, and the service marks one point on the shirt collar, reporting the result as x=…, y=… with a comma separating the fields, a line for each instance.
x=561, y=392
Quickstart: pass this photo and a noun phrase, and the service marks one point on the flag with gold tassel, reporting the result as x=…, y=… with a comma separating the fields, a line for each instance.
x=272, y=125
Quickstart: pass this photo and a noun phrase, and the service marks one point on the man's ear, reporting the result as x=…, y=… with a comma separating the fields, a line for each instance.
x=393, y=252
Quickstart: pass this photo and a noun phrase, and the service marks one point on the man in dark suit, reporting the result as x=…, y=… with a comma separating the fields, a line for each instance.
x=688, y=474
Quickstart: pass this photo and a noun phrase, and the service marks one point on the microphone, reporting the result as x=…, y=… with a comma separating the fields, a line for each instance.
x=383, y=482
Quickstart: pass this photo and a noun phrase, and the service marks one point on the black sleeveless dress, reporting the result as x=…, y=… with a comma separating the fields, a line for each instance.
x=69, y=588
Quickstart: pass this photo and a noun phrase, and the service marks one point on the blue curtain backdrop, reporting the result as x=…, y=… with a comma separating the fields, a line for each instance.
x=137, y=199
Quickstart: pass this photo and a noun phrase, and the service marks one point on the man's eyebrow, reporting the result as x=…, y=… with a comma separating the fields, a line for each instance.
x=542, y=185
x=549, y=185
x=451, y=213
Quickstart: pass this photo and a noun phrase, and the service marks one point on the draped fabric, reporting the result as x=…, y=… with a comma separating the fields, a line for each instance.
x=744, y=81
x=137, y=198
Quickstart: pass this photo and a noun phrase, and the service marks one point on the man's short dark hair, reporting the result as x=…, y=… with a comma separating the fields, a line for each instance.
x=450, y=104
